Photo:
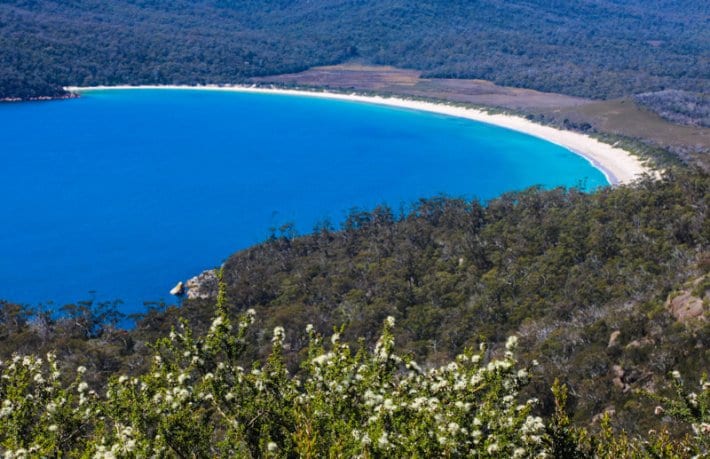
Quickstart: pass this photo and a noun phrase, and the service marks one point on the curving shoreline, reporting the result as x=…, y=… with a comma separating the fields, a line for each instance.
x=618, y=165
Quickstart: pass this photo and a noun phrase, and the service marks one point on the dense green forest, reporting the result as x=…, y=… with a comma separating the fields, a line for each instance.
x=590, y=48
x=582, y=279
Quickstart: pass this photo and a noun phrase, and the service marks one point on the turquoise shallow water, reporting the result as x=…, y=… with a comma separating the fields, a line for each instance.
x=120, y=194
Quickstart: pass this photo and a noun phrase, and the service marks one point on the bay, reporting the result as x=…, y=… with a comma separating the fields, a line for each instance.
x=119, y=194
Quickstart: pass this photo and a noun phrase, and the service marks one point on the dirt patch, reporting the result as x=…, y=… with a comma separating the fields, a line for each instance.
x=410, y=83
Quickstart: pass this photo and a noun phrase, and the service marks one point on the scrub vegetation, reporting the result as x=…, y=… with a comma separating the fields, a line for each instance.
x=607, y=291
x=197, y=400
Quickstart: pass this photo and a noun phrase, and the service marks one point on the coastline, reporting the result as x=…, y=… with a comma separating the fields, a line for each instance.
x=618, y=165
x=68, y=95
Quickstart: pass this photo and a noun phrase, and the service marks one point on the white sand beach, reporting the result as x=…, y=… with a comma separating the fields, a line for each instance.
x=618, y=165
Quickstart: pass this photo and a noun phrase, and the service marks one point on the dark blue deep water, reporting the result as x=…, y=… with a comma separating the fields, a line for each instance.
x=120, y=194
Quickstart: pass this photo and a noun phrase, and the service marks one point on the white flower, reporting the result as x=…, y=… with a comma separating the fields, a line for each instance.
x=492, y=448
x=52, y=428
x=81, y=370
x=675, y=374
x=511, y=344
x=122, y=379
x=453, y=428
x=418, y=403
x=216, y=323
x=693, y=399
x=6, y=409
x=272, y=447
x=383, y=440
x=390, y=321
x=321, y=359
x=335, y=338
x=82, y=387
x=309, y=328
x=251, y=316
x=279, y=335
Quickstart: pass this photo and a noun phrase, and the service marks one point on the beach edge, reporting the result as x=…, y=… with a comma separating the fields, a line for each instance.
x=619, y=166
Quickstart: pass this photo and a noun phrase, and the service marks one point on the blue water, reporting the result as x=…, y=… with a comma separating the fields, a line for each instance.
x=120, y=194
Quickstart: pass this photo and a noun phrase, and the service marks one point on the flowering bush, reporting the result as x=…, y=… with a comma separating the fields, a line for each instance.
x=197, y=401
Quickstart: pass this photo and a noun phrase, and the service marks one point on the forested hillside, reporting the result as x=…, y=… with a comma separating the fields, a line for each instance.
x=679, y=107
x=589, y=48
x=582, y=279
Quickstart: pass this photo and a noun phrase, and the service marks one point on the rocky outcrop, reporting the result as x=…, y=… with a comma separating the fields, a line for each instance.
x=204, y=285
x=178, y=290
x=614, y=338
x=639, y=343
x=689, y=304
x=618, y=379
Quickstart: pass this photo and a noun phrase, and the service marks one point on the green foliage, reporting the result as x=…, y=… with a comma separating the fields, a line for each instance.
x=692, y=408
x=196, y=400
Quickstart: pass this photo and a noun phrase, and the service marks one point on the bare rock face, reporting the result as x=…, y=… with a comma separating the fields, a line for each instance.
x=202, y=286
x=685, y=306
x=178, y=290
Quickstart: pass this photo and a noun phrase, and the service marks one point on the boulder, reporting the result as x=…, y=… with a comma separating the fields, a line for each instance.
x=643, y=342
x=686, y=306
x=618, y=379
x=204, y=285
x=178, y=290
x=614, y=338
